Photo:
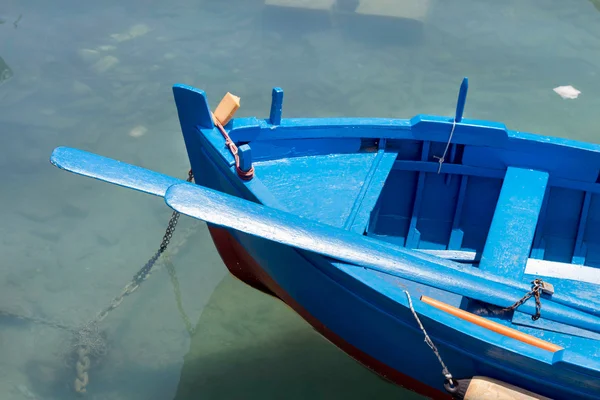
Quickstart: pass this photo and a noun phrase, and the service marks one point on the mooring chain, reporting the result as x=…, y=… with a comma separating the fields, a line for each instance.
x=82, y=365
x=449, y=382
x=535, y=291
x=89, y=341
x=143, y=273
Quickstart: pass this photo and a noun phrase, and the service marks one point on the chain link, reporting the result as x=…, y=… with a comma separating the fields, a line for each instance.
x=83, y=352
x=536, y=292
x=143, y=273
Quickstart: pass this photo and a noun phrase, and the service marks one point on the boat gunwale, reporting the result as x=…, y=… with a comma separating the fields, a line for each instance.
x=399, y=128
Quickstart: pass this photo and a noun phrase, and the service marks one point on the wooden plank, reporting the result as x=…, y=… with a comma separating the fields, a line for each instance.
x=460, y=169
x=580, y=251
x=413, y=237
x=554, y=269
x=511, y=234
x=457, y=234
x=539, y=243
x=366, y=200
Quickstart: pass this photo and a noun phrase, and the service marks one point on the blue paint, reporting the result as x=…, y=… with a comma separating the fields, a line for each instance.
x=105, y=169
x=511, y=233
x=341, y=210
x=456, y=237
x=281, y=227
x=245, y=153
x=359, y=223
x=462, y=98
x=538, y=248
x=414, y=235
x=580, y=248
x=276, y=106
x=319, y=195
x=520, y=318
x=191, y=102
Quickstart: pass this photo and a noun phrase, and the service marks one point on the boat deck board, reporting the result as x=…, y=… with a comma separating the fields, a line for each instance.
x=324, y=188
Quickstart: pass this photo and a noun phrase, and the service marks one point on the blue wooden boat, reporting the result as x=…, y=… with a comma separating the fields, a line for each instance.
x=383, y=232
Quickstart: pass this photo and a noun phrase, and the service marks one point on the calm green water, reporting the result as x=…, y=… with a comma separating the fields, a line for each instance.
x=98, y=76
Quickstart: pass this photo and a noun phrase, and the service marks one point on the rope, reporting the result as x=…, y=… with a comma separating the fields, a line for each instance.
x=536, y=292
x=449, y=380
x=442, y=158
x=245, y=175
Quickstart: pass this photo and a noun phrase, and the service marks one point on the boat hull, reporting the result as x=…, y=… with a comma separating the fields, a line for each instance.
x=244, y=267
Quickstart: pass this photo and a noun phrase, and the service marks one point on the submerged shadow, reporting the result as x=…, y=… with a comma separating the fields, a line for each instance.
x=248, y=344
x=375, y=24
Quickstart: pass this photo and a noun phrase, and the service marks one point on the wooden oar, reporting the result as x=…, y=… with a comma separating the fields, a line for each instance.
x=282, y=227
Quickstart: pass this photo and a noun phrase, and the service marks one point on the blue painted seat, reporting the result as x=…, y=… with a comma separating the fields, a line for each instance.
x=512, y=230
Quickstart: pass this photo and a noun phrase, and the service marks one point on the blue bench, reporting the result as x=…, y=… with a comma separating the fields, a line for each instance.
x=512, y=230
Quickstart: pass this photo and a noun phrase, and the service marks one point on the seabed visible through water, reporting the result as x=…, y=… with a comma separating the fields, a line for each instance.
x=98, y=76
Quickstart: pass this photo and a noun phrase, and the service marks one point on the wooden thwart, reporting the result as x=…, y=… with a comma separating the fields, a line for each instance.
x=491, y=325
x=512, y=231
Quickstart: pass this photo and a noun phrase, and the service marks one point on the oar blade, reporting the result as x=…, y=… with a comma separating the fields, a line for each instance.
x=255, y=219
x=112, y=171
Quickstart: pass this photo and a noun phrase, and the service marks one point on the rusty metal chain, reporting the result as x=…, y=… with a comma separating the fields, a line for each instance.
x=535, y=291
x=143, y=273
x=89, y=341
x=81, y=367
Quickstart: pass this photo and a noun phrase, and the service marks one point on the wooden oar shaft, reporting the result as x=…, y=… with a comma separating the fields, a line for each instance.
x=289, y=229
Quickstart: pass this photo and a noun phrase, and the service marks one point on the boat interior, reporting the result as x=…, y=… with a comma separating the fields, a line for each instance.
x=524, y=209
x=481, y=205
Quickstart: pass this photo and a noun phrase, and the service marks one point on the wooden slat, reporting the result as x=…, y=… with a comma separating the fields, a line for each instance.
x=413, y=236
x=554, y=269
x=539, y=243
x=457, y=234
x=511, y=233
x=580, y=251
x=358, y=221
